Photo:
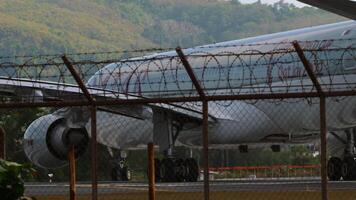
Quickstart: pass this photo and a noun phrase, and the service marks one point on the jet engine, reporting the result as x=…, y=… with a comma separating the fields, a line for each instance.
x=48, y=139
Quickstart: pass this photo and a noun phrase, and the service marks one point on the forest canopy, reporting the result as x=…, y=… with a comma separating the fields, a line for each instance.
x=63, y=26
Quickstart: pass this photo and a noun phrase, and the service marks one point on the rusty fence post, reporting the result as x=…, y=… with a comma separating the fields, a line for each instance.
x=323, y=151
x=77, y=79
x=94, y=156
x=206, y=149
x=93, y=110
x=203, y=98
x=73, y=174
x=323, y=130
x=2, y=143
x=191, y=73
x=151, y=172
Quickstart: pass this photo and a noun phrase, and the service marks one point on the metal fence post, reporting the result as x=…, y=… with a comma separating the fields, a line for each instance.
x=73, y=174
x=309, y=69
x=323, y=151
x=202, y=96
x=94, y=157
x=2, y=143
x=92, y=101
x=206, y=149
x=151, y=172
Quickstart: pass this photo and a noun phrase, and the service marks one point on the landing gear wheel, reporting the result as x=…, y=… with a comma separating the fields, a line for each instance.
x=180, y=170
x=115, y=174
x=192, y=170
x=125, y=174
x=157, y=170
x=348, y=169
x=120, y=174
x=334, y=168
x=167, y=170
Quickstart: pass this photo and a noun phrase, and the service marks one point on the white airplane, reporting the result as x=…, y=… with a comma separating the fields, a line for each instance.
x=236, y=123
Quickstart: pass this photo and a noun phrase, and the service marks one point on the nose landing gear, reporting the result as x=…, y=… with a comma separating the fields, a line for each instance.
x=119, y=173
x=120, y=170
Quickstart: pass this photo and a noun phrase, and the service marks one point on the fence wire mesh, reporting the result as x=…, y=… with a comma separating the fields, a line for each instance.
x=85, y=120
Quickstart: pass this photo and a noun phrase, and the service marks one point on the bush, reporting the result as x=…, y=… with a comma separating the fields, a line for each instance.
x=11, y=182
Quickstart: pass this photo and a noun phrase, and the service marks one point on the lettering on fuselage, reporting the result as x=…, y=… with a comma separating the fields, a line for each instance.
x=289, y=69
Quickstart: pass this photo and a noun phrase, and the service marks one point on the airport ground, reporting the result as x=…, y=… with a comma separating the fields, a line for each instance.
x=244, y=189
x=310, y=195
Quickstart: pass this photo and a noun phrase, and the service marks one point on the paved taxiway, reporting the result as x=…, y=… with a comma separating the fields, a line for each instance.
x=215, y=186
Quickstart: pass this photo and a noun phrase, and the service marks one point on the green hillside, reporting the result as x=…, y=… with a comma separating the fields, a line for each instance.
x=58, y=26
x=36, y=26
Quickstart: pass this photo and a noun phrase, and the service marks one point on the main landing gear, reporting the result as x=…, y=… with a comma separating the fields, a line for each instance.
x=166, y=130
x=176, y=170
x=345, y=168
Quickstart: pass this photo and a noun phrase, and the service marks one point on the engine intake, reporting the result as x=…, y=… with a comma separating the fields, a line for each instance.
x=48, y=139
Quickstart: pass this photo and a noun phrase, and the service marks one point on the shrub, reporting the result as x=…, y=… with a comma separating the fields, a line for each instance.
x=11, y=182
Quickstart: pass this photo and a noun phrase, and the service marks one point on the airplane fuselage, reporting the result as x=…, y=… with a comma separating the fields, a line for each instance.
x=237, y=122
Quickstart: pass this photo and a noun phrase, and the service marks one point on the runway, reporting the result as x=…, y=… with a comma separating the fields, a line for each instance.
x=33, y=189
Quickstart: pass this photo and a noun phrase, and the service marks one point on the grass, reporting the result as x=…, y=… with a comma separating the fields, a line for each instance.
x=280, y=195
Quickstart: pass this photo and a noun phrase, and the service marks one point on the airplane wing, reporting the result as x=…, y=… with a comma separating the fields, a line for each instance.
x=344, y=8
x=26, y=90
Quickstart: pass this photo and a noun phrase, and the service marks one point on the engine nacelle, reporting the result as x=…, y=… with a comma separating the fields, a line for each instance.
x=48, y=139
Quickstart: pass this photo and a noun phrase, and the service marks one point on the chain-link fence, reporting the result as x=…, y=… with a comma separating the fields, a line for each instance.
x=261, y=121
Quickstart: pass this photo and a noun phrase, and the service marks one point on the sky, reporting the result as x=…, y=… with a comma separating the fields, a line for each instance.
x=296, y=3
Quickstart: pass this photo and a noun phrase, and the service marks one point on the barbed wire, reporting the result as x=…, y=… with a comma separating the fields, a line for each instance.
x=232, y=71
x=155, y=49
x=91, y=53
